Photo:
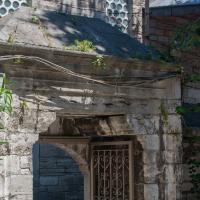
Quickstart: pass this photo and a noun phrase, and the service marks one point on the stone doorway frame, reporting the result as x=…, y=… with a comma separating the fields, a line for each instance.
x=84, y=162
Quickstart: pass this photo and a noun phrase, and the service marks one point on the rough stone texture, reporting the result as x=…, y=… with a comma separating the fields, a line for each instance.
x=60, y=107
x=162, y=24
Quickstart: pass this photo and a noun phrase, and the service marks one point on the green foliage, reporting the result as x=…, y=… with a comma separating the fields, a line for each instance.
x=3, y=142
x=35, y=19
x=5, y=97
x=193, y=78
x=10, y=38
x=182, y=110
x=164, y=113
x=99, y=62
x=83, y=46
x=18, y=61
x=194, y=165
x=5, y=101
x=187, y=36
x=23, y=105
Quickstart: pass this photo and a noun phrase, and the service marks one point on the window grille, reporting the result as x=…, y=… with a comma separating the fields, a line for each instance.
x=111, y=169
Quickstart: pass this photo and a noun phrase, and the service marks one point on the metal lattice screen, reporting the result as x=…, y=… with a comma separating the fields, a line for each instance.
x=111, y=172
x=117, y=13
x=9, y=6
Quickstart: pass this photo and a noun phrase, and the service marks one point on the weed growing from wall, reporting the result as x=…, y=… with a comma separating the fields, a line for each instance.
x=5, y=100
x=99, y=62
x=83, y=46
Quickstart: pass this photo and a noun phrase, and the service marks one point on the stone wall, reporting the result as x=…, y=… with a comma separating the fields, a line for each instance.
x=163, y=23
x=65, y=107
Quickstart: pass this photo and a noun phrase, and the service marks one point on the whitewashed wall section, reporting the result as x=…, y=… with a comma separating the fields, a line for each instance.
x=9, y=6
x=117, y=13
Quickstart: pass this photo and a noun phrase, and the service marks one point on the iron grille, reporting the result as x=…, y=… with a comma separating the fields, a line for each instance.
x=111, y=172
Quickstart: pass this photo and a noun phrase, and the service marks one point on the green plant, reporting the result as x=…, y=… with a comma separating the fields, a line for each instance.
x=18, y=61
x=35, y=19
x=5, y=100
x=5, y=97
x=3, y=142
x=182, y=110
x=187, y=36
x=10, y=38
x=84, y=46
x=164, y=113
x=194, y=77
x=99, y=62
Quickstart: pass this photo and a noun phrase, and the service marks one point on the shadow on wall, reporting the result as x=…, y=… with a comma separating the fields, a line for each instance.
x=55, y=174
x=60, y=31
x=83, y=8
x=106, y=38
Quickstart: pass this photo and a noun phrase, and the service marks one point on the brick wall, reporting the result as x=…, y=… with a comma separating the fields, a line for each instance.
x=57, y=176
x=164, y=21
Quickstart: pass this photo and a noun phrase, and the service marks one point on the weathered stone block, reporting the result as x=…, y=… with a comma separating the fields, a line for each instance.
x=25, y=162
x=173, y=125
x=150, y=157
x=151, y=192
x=20, y=121
x=172, y=141
x=22, y=197
x=149, y=142
x=172, y=191
x=45, y=119
x=151, y=173
x=12, y=165
x=172, y=157
x=21, y=143
x=21, y=184
x=2, y=180
x=25, y=172
x=143, y=124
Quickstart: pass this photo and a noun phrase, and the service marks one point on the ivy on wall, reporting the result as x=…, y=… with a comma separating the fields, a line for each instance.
x=187, y=36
